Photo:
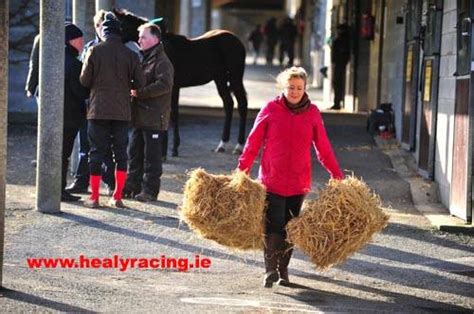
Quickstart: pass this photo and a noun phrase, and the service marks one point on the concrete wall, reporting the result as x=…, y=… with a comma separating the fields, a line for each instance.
x=194, y=17
x=362, y=80
x=199, y=17
x=447, y=86
x=142, y=8
x=392, y=60
x=317, y=43
x=372, y=90
x=84, y=15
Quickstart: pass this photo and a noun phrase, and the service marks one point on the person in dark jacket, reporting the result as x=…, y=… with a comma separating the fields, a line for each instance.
x=286, y=129
x=81, y=177
x=110, y=70
x=271, y=39
x=340, y=55
x=33, y=70
x=74, y=97
x=288, y=33
x=150, y=117
x=256, y=38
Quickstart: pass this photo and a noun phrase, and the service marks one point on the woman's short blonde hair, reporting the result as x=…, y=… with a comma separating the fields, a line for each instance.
x=286, y=75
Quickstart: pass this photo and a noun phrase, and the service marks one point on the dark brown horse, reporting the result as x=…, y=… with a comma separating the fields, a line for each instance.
x=217, y=55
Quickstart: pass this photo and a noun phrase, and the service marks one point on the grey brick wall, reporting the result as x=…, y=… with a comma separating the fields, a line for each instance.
x=392, y=62
x=446, y=99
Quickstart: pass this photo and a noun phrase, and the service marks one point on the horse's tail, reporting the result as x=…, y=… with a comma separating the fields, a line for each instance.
x=234, y=58
x=234, y=53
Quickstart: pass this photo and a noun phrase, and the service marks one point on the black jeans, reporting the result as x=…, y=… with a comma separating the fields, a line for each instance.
x=145, y=162
x=82, y=171
x=103, y=135
x=280, y=210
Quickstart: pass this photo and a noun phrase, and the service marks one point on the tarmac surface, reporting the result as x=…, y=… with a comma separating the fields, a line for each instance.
x=410, y=267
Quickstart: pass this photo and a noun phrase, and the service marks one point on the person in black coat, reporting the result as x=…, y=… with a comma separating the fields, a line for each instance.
x=74, y=99
x=271, y=39
x=256, y=38
x=81, y=176
x=288, y=33
x=340, y=56
x=33, y=69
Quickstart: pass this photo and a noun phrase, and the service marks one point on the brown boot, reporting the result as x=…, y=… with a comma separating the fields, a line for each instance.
x=283, y=264
x=271, y=256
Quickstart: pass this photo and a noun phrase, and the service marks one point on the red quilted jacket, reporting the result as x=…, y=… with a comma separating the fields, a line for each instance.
x=286, y=139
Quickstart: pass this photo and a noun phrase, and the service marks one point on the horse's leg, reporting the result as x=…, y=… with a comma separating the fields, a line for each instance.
x=241, y=96
x=175, y=121
x=224, y=93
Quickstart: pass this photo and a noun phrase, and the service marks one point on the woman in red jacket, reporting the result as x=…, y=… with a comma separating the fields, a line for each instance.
x=286, y=128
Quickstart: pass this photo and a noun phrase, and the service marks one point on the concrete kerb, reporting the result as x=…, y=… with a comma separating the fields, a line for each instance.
x=329, y=116
x=424, y=192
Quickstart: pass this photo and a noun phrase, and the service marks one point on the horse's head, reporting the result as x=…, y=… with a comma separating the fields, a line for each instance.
x=129, y=23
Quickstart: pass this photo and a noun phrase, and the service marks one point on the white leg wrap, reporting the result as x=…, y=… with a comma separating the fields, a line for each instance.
x=221, y=147
x=238, y=149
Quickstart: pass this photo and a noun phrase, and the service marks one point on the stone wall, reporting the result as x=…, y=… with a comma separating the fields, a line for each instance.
x=446, y=100
x=392, y=62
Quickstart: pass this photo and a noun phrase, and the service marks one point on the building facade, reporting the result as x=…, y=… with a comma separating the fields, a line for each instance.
x=419, y=58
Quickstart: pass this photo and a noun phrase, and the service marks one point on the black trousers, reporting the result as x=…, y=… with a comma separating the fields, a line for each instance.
x=103, y=135
x=145, y=162
x=280, y=210
x=270, y=52
x=289, y=49
x=82, y=171
x=339, y=84
x=69, y=135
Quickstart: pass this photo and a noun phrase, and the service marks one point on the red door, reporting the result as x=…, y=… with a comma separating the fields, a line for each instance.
x=461, y=189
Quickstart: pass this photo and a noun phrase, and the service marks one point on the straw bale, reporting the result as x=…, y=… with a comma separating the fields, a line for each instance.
x=228, y=209
x=340, y=222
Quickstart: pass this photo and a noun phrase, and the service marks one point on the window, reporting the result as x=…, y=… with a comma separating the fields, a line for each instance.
x=432, y=40
x=463, y=37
